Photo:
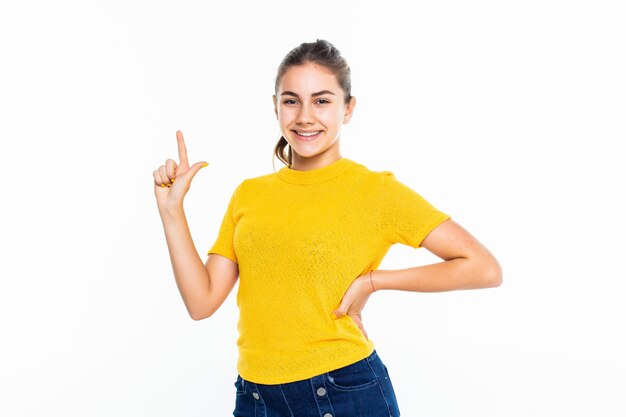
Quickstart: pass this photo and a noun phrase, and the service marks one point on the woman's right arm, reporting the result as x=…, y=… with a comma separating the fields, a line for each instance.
x=203, y=287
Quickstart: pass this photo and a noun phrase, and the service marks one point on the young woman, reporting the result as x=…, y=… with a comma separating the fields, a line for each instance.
x=306, y=241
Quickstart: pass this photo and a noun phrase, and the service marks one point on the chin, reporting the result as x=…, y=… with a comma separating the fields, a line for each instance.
x=306, y=154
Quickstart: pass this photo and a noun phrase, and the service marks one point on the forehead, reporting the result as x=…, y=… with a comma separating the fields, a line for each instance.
x=309, y=78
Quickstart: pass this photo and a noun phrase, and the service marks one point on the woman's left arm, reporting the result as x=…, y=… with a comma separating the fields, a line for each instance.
x=467, y=264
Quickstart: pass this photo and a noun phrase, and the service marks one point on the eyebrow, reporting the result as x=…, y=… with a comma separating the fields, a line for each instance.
x=319, y=93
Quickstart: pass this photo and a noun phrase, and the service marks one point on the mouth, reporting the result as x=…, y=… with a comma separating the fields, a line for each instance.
x=307, y=136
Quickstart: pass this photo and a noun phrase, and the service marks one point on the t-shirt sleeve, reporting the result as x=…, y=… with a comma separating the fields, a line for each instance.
x=224, y=243
x=406, y=217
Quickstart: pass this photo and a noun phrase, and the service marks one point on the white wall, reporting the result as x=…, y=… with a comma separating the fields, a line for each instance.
x=508, y=117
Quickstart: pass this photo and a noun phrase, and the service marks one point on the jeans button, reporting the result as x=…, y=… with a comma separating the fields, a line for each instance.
x=321, y=391
x=328, y=415
x=255, y=395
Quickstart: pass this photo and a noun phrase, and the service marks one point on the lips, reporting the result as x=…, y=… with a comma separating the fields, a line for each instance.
x=308, y=134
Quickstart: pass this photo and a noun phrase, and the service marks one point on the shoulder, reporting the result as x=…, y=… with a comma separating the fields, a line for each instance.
x=255, y=186
x=378, y=180
x=368, y=175
x=256, y=180
x=385, y=184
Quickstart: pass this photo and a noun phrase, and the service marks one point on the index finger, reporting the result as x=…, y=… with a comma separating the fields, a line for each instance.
x=182, y=149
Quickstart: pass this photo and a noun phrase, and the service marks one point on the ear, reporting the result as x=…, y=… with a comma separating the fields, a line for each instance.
x=349, y=109
x=275, y=106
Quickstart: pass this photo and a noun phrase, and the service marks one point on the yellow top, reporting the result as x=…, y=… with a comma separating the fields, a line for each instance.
x=300, y=238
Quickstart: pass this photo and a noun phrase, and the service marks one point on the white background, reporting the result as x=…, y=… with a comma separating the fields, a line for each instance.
x=510, y=117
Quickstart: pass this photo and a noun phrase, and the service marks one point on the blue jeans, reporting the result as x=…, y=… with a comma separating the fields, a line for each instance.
x=361, y=389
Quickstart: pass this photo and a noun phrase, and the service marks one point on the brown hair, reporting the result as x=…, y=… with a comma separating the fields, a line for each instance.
x=322, y=53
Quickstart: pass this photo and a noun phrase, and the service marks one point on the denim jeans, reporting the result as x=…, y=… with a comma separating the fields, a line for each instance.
x=361, y=389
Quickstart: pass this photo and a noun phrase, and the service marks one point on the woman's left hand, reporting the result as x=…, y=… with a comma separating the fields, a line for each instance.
x=354, y=300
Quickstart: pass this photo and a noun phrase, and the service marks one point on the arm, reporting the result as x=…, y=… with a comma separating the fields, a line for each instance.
x=467, y=265
x=202, y=287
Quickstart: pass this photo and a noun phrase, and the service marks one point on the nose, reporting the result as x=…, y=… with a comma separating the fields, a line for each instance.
x=305, y=115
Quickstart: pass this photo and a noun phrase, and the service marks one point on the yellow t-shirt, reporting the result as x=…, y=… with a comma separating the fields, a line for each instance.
x=300, y=238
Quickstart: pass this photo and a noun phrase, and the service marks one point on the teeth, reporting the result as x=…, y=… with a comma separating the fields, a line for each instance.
x=308, y=134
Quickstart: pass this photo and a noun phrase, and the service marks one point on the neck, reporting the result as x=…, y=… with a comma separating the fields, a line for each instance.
x=302, y=163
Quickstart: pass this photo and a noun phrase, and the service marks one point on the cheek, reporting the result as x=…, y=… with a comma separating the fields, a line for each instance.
x=285, y=116
x=330, y=116
x=288, y=111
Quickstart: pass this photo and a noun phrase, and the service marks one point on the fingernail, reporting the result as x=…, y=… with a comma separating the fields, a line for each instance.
x=333, y=316
x=173, y=179
x=205, y=164
x=162, y=185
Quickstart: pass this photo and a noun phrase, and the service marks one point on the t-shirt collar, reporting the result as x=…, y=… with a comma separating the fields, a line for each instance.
x=313, y=176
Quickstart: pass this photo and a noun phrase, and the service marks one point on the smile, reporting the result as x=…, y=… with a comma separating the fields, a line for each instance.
x=307, y=135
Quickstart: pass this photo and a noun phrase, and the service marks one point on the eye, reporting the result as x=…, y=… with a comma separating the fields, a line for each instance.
x=287, y=101
x=324, y=100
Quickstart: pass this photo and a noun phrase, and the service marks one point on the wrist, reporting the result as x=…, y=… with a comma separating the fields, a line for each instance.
x=171, y=209
x=371, y=281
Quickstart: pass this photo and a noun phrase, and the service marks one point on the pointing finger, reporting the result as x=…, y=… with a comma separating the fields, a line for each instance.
x=182, y=150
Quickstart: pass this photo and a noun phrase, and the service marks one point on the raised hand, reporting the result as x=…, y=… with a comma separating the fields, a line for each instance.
x=172, y=181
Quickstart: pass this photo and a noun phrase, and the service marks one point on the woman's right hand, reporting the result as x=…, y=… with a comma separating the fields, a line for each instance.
x=171, y=181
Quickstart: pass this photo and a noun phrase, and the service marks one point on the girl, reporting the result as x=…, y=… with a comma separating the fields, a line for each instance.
x=306, y=241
